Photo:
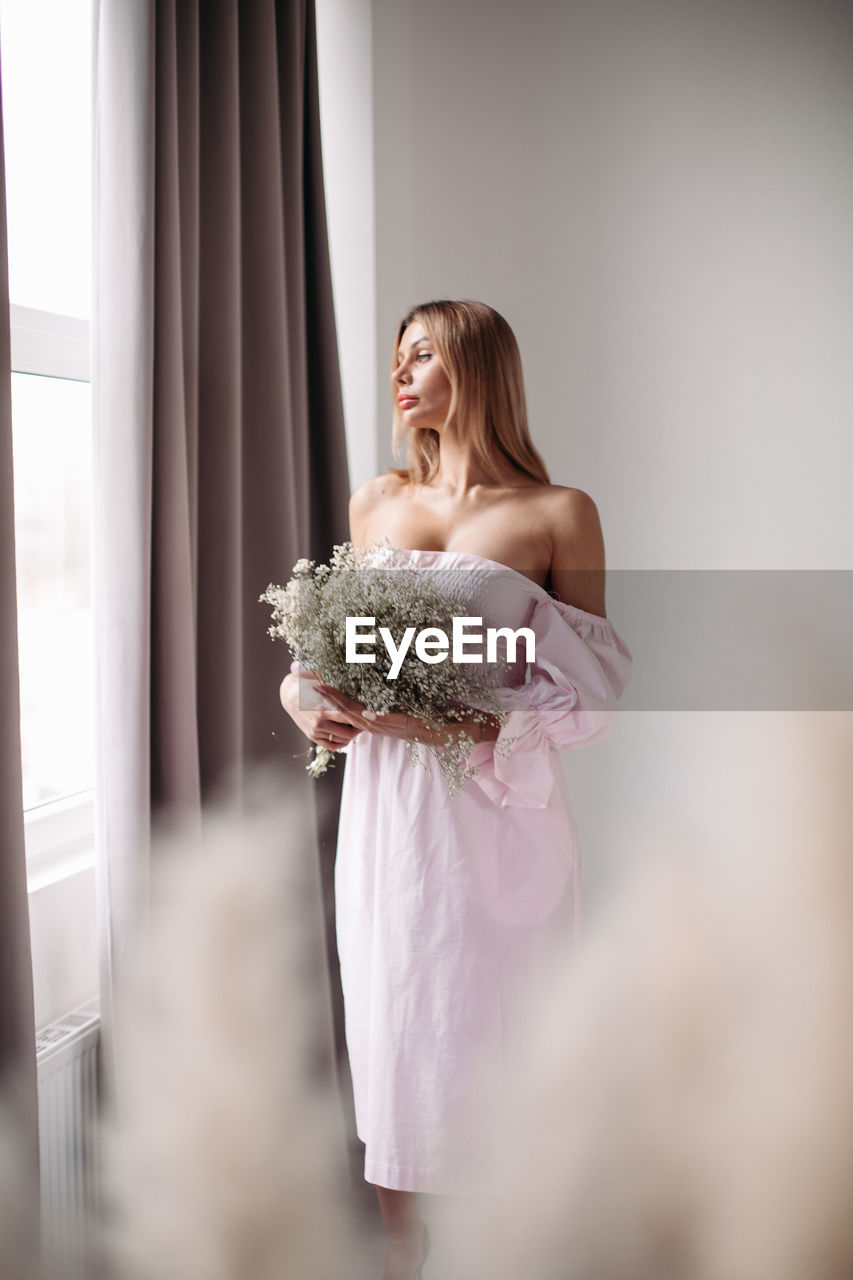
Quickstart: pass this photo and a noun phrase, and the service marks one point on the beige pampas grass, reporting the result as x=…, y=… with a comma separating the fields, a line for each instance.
x=224, y=1157
x=683, y=1098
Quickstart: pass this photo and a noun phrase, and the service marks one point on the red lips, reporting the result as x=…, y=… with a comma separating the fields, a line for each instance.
x=403, y=401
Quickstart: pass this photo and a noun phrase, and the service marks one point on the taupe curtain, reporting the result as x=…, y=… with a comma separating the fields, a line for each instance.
x=248, y=458
x=219, y=426
x=17, y=1028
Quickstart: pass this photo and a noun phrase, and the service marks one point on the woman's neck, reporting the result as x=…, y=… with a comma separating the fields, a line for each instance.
x=460, y=472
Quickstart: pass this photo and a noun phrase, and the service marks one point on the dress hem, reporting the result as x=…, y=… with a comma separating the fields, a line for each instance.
x=401, y=1178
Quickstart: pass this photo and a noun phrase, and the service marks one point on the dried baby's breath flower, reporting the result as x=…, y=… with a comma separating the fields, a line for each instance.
x=310, y=613
x=320, y=761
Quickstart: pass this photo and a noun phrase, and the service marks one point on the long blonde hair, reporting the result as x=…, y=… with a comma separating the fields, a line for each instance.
x=480, y=355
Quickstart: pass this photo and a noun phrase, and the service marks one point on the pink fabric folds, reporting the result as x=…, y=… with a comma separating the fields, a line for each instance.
x=447, y=908
x=580, y=670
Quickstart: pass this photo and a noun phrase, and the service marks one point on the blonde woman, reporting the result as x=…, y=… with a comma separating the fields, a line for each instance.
x=443, y=906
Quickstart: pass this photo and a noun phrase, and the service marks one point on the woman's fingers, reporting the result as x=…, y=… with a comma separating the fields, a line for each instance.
x=339, y=730
x=391, y=725
x=331, y=719
x=340, y=700
x=316, y=715
x=394, y=724
x=334, y=734
x=355, y=713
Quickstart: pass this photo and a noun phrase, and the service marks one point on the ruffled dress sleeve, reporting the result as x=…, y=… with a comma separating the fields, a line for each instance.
x=580, y=670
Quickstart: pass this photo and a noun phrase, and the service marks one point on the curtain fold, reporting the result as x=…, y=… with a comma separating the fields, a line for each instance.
x=122, y=397
x=218, y=408
x=17, y=1027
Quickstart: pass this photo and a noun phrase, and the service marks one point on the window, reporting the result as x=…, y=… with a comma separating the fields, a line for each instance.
x=46, y=77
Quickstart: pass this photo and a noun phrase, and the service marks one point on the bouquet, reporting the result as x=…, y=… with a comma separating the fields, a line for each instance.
x=310, y=614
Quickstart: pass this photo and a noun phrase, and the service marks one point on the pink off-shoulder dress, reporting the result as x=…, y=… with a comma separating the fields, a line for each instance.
x=445, y=905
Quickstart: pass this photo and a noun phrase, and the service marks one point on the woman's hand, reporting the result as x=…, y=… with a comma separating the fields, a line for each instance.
x=315, y=714
x=397, y=724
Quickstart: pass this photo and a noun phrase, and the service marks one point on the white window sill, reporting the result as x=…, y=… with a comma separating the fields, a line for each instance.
x=49, y=344
x=62, y=900
x=60, y=839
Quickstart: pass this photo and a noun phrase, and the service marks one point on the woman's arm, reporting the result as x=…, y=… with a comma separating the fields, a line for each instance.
x=317, y=717
x=577, y=556
x=368, y=508
x=397, y=724
x=326, y=723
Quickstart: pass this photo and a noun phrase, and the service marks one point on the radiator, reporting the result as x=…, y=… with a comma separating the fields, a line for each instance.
x=67, y=1055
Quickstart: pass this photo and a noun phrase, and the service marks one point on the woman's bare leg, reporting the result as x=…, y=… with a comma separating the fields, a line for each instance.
x=404, y=1228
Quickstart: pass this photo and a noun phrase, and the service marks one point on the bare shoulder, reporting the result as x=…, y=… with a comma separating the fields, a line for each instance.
x=577, y=547
x=377, y=489
x=573, y=524
x=369, y=497
x=566, y=517
x=567, y=503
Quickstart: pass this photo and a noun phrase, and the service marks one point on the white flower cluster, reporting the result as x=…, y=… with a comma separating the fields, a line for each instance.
x=310, y=614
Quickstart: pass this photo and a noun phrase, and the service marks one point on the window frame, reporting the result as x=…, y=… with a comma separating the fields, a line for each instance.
x=59, y=834
x=50, y=345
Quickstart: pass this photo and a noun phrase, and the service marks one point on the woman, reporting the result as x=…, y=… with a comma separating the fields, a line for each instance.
x=443, y=905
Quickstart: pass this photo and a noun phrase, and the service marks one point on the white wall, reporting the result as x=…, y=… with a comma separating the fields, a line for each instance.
x=345, y=57
x=658, y=194
x=659, y=197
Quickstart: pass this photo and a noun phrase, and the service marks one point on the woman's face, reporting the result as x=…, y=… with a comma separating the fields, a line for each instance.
x=420, y=382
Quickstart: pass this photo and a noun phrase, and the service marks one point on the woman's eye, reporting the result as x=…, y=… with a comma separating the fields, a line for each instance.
x=424, y=355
